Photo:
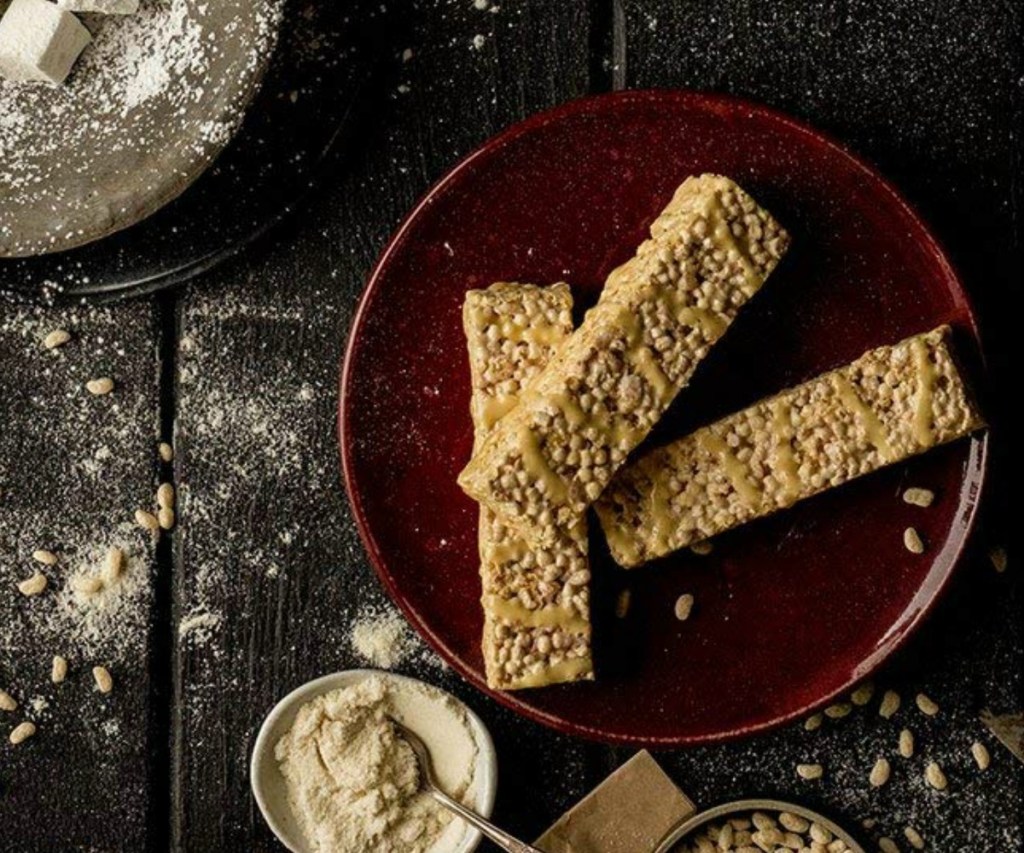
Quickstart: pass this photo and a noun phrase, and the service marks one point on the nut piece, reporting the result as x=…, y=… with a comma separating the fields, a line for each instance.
x=810, y=771
x=165, y=518
x=838, y=711
x=926, y=706
x=890, y=704
x=47, y=558
x=820, y=834
x=794, y=823
x=684, y=606
x=999, y=559
x=935, y=777
x=703, y=548
x=907, y=743
x=165, y=451
x=7, y=702
x=913, y=541
x=56, y=338
x=104, y=682
x=879, y=773
x=165, y=496
x=100, y=386
x=33, y=585
x=22, y=732
x=862, y=695
x=115, y=565
x=919, y=497
x=981, y=756
x=60, y=669
x=914, y=837
x=813, y=723
x=147, y=520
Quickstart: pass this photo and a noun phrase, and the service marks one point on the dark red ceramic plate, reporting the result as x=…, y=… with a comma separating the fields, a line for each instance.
x=791, y=611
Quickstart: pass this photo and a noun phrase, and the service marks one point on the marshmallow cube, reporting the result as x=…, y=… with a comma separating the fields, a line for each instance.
x=101, y=7
x=39, y=42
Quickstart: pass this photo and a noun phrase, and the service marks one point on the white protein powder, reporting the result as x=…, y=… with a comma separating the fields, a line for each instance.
x=353, y=783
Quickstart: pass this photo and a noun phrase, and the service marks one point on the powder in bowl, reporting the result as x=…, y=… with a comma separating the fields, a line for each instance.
x=352, y=782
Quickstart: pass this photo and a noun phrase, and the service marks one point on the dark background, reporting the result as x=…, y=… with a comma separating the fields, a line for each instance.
x=242, y=364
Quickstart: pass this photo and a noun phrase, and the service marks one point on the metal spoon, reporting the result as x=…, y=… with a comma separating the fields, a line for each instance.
x=428, y=782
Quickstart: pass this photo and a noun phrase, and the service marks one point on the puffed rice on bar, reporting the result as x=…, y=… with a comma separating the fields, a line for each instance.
x=536, y=599
x=890, y=404
x=710, y=250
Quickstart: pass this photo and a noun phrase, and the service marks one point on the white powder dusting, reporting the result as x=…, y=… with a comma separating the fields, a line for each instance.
x=90, y=621
x=199, y=627
x=381, y=637
x=353, y=783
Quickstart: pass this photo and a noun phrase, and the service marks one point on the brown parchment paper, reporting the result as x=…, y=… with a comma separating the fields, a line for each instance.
x=630, y=812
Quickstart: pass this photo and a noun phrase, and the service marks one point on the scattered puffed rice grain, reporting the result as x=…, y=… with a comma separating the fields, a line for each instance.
x=56, y=338
x=838, y=711
x=33, y=585
x=869, y=823
x=880, y=773
x=913, y=541
x=887, y=845
x=935, y=777
x=115, y=565
x=100, y=386
x=863, y=694
x=165, y=518
x=165, y=451
x=684, y=606
x=926, y=706
x=907, y=743
x=919, y=497
x=914, y=837
x=104, y=682
x=981, y=755
x=622, y=604
x=146, y=520
x=810, y=771
x=702, y=549
x=813, y=723
x=165, y=495
x=999, y=558
x=890, y=704
x=47, y=558
x=7, y=701
x=22, y=732
x=60, y=669
x=87, y=585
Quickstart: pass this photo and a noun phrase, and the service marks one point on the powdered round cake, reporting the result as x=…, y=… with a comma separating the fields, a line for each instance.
x=152, y=101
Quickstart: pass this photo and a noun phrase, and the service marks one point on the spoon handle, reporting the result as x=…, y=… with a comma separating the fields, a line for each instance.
x=502, y=839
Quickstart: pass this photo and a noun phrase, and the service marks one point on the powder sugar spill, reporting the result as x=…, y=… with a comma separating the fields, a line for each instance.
x=353, y=783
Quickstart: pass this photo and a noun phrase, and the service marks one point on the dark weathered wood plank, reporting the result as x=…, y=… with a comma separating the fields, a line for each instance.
x=929, y=92
x=73, y=469
x=267, y=547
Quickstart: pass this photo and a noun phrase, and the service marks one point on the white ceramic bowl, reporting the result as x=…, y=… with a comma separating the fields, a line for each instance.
x=268, y=784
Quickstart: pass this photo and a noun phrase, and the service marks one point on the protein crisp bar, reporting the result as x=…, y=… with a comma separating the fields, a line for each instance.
x=710, y=250
x=890, y=404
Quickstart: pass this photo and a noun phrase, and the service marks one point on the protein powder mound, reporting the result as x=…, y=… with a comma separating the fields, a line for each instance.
x=353, y=783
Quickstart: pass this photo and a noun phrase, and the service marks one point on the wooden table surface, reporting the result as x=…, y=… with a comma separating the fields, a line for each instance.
x=258, y=588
